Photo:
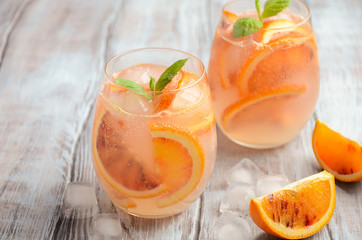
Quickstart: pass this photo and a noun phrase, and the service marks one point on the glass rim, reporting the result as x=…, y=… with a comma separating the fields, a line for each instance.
x=306, y=19
x=161, y=49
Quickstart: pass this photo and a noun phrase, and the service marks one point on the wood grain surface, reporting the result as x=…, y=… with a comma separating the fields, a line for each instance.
x=52, y=54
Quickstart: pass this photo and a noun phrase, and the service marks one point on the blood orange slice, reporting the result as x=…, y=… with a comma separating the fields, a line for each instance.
x=258, y=100
x=167, y=97
x=178, y=160
x=276, y=29
x=231, y=16
x=116, y=164
x=298, y=210
x=281, y=57
x=337, y=154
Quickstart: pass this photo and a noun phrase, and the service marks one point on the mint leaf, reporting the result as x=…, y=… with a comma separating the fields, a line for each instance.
x=273, y=7
x=133, y=87
x=169, y=73
x=152, y=83
x=257, y=5
x=246, y=26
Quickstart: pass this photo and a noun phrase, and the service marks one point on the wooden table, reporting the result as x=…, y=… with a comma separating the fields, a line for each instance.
x=52, y=55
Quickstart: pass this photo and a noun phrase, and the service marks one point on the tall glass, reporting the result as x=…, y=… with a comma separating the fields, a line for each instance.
x=265, y=85
x=153, y=157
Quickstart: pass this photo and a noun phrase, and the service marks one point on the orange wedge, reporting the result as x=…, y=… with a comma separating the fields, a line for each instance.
x=178, y=161
x=337, y=154
x=258, y=100
x=299, y=209
x=285, y=52
x=231, y=16
x=166, y=99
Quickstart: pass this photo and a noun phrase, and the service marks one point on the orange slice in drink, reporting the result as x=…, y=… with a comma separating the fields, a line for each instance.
x=299, y=209
x=204, y=124
x=258, y=100
x=178, y=162
x=337, y=154
x=285, y=52
x=225, y=52
x=228, y=64
x=278, y=28
x=231, y=16
x=167, y=97
x=116, y=164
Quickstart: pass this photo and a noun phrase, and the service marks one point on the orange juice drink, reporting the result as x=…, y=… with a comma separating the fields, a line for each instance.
x=153, y=151
x=265, y=83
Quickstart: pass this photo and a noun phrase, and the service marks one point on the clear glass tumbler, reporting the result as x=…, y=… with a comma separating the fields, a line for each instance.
x=264, y=85
x=153, y=151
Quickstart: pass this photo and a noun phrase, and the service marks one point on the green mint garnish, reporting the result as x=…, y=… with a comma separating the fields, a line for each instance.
x=162, y=82
x=273, y=7
x=169, y=73
x=257, y=5
x=133, y=87
x=152, y=83
x=246, y=26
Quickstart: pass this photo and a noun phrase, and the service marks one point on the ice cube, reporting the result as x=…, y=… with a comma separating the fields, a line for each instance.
x=270, y=183
x=80, y=200
x=230, y=227
x=106, y=226
x=188, y=97
x=244, y=172
x=237, y=199
x=131, y=102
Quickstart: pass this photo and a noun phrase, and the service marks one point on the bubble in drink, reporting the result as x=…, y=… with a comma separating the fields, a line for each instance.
x=237, y=199
x=230, y=227
x=244, y=172
x=270, y=183
x=106, y=226
x=80, y=201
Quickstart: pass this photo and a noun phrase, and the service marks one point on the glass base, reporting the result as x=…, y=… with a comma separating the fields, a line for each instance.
x=255, y=146
x=148, y=216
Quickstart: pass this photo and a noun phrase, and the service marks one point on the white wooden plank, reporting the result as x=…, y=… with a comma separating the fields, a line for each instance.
x=52, y=58
x=49, y=77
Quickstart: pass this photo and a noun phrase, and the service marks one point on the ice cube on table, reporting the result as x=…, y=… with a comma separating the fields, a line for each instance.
x=244, y=172
x=231, y=227
x=80, y=200
x=237, y=199
x=270, y=183
x=106, y=226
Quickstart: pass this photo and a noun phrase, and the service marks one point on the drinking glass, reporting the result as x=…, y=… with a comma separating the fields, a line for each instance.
x=153, y=155
x=265, y=85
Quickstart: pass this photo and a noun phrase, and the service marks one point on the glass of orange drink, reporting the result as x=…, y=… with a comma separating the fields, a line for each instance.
x=264, y=71
x=154, y=137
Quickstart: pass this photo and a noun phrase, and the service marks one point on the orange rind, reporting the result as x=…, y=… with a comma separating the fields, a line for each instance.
x=337, y=154
x=178, y=160
x=299, y=209
x=282, y=50
x=260, y=97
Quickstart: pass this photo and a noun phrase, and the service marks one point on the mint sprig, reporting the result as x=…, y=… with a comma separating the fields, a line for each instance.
x=273, y=7
x=161, y=83
x=246, y=26
x=133, y=87
x=169, y=73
